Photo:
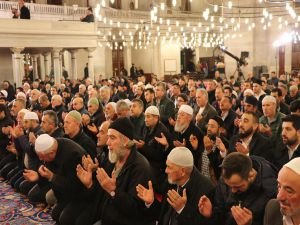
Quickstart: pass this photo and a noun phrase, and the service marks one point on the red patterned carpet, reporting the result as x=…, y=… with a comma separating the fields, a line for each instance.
x=15, y=209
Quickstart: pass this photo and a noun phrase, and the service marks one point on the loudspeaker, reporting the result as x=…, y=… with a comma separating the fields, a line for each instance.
x=244, y=55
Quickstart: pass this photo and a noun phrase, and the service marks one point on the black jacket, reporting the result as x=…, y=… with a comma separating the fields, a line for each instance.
x=282, y=156
x=166, y=110
x=192, y=129
x=196, y=186
x=24, y=13
x=259, y=146
x=65, y=184
x=126, y=208
x=85, y=142
x=255, y=198
x=229, y=123
x=155, y=152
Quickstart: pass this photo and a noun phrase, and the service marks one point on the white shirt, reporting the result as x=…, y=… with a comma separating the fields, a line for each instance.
x=291, y=151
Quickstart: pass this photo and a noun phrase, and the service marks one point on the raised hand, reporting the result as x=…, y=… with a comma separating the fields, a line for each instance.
x=107, y=183
x=139, y=143
x=32, y=138
x=194, y=142
x=171, y=121
x=85, y=119
x=12, y=148
x=162, y=140
x=85, y=176
x=87, y=160
x=220, y=145
x=147, y=195
x=265, y=129
x=45, y=172
x=205, y=206
x=176, y=200
x=239, y=147
x=179, y=144
x=208, y=144
x=242, y=216
x=30, y=175
x=92, y=128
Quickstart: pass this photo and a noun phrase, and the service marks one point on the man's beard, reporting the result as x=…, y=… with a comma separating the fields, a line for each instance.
x=180, y=127
x=289, y=142
x=112, y=157
x=171, y=181
x=246, y=133
x=212, y=136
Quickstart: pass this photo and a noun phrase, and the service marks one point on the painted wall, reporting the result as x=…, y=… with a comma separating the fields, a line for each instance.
x=143, y=58
x=169, y=51
x=6, y=69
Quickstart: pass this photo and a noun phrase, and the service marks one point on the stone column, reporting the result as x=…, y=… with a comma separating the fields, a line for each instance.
x=47, y=63
x=127, y=59
x=91, y=64
x=73, y=72
x=56, y=65
x=35, y=67
x=156, y=60
x=18, y=65
x=42, y=66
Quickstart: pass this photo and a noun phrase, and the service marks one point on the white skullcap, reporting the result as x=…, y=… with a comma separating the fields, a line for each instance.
x=4, y=92
x=128, y=102
x=23, y=111
x=248, y=92
x=114, y=105
x=43, y=143
x=153, y=110
x=149, y=86
x=294, y=165
x=21, y=95
x=181, y=156
x=269, y=98
x=31, y=116
x=187, y=109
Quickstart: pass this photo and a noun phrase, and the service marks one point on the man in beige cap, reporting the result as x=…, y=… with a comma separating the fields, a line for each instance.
x=73, y=130
x=286, y=208
x=155, y=144
x=187, y=134
x=187, y=185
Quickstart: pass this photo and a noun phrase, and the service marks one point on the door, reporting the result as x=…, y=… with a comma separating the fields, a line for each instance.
x=117, y=61
x=281, y=57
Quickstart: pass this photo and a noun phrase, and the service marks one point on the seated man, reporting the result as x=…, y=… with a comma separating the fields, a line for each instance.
x=247, y=184
x=187, y=185
x=286, y=208
x=60, y=157
x=114, y=198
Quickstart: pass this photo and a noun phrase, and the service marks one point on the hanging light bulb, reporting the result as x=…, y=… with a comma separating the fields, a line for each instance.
x=229, y=4
x=215, y=8
x=112, y=1
x=174, y=3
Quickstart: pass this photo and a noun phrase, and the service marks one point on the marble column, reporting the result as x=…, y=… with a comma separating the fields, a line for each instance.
x=61, y=53
x=47, y=63
x=56, y=65
x=35, y=67
x=42, y=66
x=91, y=64
x=127, y=58
x=18, y=65
x=74, y=74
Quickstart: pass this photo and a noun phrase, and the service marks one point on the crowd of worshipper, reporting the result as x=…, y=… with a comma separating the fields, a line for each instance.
x=185, y=151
